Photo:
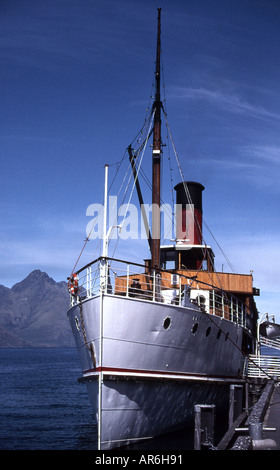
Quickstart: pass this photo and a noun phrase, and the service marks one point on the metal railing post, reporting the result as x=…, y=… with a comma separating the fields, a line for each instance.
x=127, y=279
x=87, y=282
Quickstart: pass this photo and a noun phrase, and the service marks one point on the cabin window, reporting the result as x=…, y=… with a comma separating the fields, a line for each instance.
x=247, y=344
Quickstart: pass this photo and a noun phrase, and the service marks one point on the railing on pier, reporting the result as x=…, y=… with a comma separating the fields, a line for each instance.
x=262, y=366
x=118, y=277
x=271, y=343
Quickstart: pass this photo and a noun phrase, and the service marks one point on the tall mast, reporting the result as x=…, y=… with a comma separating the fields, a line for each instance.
x=156, y=160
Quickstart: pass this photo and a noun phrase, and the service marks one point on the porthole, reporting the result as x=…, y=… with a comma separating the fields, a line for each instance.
x=194, y=328
x=208, y=331
x=227, y=335
x=219, y=334
x=167, y=323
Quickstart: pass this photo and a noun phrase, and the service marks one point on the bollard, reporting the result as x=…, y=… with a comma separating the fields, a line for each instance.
x=256, y=431
x=258, y=441
x=204, y=426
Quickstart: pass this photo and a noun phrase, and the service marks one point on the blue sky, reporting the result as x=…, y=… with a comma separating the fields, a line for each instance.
x=76, y=78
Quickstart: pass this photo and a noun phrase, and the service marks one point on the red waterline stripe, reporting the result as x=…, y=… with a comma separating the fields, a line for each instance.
x=148, y=372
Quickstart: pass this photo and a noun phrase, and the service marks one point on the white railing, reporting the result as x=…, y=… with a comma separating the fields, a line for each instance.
x=118, y=277
x=224, y=304
x=272, y=343
x=262, y=366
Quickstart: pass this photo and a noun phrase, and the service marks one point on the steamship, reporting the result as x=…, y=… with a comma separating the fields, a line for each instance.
x=154, y=341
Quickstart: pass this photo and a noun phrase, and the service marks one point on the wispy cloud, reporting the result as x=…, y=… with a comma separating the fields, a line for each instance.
x=230, y=164
x=251, y=157
x=47, y=36
x=263, y=154
x=258, y=165
x=57, y=258
x=229, y=101
x=264, y=165
x=257, y=253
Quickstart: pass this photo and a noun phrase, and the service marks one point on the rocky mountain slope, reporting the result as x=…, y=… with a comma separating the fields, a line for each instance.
x=33, y=313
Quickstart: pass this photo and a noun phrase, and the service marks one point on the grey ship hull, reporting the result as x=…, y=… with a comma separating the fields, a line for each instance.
x=147, y=364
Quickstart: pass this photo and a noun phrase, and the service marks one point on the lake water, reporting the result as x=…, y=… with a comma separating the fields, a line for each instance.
x=43, y=407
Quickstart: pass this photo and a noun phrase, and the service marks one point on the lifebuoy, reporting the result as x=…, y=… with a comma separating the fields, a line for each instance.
x=73, y=284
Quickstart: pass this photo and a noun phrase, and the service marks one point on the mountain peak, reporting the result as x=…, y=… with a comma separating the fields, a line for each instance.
x=34, y=311
x=33, y=278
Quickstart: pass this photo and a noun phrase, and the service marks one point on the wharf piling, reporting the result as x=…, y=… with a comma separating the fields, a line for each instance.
x=204, y=426
x=257, y=428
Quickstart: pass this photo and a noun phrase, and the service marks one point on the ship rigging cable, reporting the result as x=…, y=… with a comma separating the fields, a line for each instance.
x=119, y=164
x=139, y=166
